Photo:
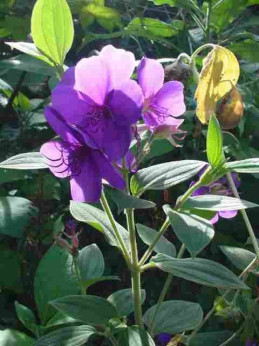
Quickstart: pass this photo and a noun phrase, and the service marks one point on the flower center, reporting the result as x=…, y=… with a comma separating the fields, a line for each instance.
x=154, y=111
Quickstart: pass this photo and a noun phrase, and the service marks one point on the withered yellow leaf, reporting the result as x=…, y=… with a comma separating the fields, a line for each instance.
x=230, y=110
x=219, y=73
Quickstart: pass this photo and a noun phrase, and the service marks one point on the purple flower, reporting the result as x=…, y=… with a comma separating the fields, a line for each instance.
x=98, y=98
x=164, y=338
x=219, y=187
x=71, y=157
x=251, y=342
x=163, y=103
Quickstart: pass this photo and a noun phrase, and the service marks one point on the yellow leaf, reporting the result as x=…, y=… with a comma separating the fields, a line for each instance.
x=219, y=73
x=230, y=110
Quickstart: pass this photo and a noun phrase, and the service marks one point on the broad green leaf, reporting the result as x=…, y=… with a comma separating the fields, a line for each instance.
x=174, y=316
x=68, y=336
x=19, y=27
x=244, y=166
x=123, y=200
x=148, y=235
x=219, y=74
x=15, y=215
x=26, y=316
x=174, y=3
x=123, y=301
x=10, y=279
x=241, y=258
x=52, y=29
x=150, y=28
x=10, y=337
x=90, y=262
x=87, y=309
x=97, y=218
x=33, y=160
x=58, y=319
x=134, y=336
x=8, y=175
x=55, y=277
x=193, y=231
x=212, y=338
x=164, y=175
x=30, y=49
x=246, y=49
x=217, y=203
x=106, y=16
x=29, y=64
x=199, y=270
x=214, y=143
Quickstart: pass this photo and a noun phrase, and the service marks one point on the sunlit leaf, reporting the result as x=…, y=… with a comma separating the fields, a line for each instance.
x=219, y=73
x=214, y=143
x=52, y=28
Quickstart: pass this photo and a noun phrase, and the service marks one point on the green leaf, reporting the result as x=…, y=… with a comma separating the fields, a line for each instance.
x=90, y=262
x=106, y=16
x=247, y=50
x=10, y=337
x=87, y=309
x=150, y=28
x=30, y=49
x=244, y=166
x=214, y=143
x=55, y=277
x=148, y=235
x=134, y=336
x=164, y=175
x=199, y=270
x=52, y=28
x=123, y=200
x=174, y=3
x=26, y=316
x=193, y=231
x=123, y=301
x=33, y=160
x=58, y=319
x=185, y=316
x=217, y=203
x=15, y=215
x=19, y=27
x=68, y=336
x=241, y=258
x=212, y=338
x=97, y=218
x=8, y=175
x=11, y=278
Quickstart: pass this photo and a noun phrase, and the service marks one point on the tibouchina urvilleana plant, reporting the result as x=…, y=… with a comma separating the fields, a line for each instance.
x=106, y=112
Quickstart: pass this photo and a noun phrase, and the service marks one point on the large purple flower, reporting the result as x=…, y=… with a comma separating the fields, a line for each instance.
x=163, y=338
x=219, y=187
x=71, y=157
x=98, y=98
x=163, y=103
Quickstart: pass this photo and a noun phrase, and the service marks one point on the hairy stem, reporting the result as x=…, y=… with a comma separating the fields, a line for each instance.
x=220, y=301
x=120, y=241
x=244, y=215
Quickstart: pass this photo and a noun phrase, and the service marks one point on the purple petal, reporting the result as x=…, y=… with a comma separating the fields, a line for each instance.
x=120, y=64
x=150, y=76
x=92, y=78
x=70, y=103
x=116, y=140
x=86, y=186
x=59, y=126
x=228, y=214
x=58, y=155
x=107, y=171
x=164, y=338
x=203, y=190
x=215, y=219
x=171, y=99
x=125, y=104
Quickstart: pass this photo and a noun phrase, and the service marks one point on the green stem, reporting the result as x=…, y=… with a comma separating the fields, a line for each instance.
x=164, y=292
x=113, y=340
x=120, y=241
x=220, y=301
x=244, y=215
x=208, y=16
x=78, y=275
